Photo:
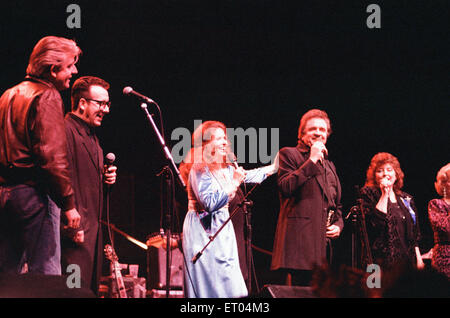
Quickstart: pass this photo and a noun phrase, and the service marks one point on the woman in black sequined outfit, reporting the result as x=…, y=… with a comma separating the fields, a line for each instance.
x=391, y=217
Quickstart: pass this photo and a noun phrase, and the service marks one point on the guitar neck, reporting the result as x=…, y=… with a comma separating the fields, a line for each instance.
x=119, y=280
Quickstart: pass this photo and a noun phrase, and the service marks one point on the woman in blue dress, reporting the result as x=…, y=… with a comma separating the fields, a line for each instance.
x=212, y=183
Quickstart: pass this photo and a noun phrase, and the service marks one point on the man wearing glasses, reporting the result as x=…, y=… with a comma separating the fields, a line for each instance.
x=83, y=246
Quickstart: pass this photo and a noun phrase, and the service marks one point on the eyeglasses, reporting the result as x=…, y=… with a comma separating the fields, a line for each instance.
x=100, y=103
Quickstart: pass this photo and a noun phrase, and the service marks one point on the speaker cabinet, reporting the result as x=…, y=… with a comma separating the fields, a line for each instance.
x=281, y=291
x=157, y=268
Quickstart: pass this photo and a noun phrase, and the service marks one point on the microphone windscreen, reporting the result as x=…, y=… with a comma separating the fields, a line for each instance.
x=127, y=90
x=110, y=158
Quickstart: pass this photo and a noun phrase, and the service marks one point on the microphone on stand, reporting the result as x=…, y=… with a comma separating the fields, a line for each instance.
x=129, y=91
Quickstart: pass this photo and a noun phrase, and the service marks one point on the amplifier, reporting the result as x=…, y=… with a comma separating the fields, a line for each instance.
x=156, y=261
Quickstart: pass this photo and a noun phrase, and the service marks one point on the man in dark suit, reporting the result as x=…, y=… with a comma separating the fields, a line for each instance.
x=90, y=103
x=310, y=201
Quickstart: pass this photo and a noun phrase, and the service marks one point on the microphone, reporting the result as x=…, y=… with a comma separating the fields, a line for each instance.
x=128, y=90
x=109, y=159
x=232, y=158
x=324, y=151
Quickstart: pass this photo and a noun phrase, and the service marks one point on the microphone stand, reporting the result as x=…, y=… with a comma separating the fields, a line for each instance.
x=354, y=219
x=247, y=207
x=168, y=222
x=168, y=175
x=357, y=215
x=163, y=143
x=368, y=258
x=212, y=238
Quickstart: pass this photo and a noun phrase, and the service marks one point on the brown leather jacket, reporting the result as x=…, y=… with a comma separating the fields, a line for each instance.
x=33, y=146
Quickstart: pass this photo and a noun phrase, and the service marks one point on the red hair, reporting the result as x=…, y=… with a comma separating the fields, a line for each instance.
x=378, y=161
x=201, y=137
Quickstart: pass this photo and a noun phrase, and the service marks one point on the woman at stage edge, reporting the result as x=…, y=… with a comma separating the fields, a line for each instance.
x=439, y=215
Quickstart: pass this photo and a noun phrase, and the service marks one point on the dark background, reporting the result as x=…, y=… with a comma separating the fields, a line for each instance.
x=255, y=64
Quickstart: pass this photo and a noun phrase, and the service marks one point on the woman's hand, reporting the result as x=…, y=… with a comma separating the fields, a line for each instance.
x=420, y=264
x=387, y=193
x=387, y=187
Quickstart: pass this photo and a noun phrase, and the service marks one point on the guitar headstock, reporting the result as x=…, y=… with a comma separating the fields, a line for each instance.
x=110, y=254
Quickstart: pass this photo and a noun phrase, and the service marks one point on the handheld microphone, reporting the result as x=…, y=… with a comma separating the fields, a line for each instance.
x=129, y=91
x=324, y=152
x=109, y=159
x=232, y=158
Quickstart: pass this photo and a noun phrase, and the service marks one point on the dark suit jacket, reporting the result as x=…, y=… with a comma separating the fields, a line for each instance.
x=300, y=241
x=86, y=167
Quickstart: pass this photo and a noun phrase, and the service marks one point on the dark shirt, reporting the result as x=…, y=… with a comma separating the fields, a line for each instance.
x=331, y=186
x=402, y=226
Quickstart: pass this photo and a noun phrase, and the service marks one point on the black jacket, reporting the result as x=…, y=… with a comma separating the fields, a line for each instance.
x=86, y=167
x=305, y=198
x=383, y=228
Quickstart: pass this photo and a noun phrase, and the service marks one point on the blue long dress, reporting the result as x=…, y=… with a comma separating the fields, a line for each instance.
x=216, y=274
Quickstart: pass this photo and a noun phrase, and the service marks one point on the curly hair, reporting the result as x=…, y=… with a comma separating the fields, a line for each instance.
x=441, y=178
x=379, y=160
